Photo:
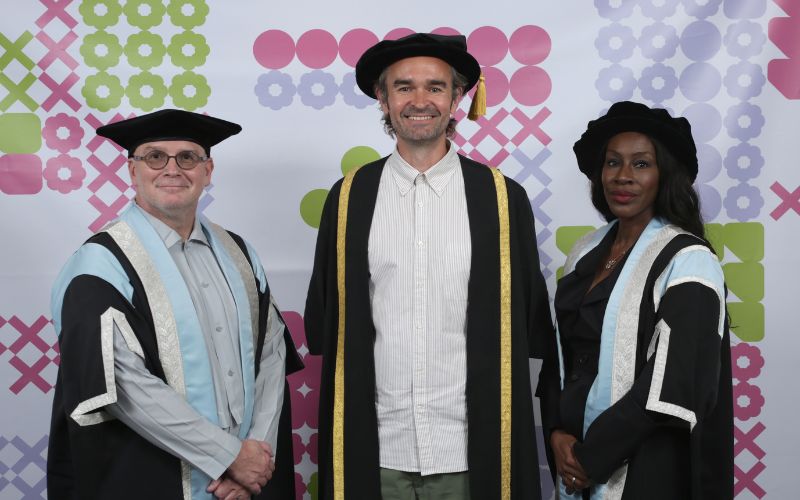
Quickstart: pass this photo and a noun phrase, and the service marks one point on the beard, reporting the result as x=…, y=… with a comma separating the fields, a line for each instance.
x=417, y=133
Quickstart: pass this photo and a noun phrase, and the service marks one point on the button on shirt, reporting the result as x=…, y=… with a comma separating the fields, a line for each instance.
x=419, y=262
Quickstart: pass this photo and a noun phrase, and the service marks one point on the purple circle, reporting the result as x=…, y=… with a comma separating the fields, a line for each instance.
x=709, y=163
x=701, y=9
x=398, y=33
x=743, y=192
x=658, y=83
x=705, y=119
x=530, y=85
x=274, y=49
x=497, y=86
x=710, y=201
x=615, y=83
x=700, y=81
x=283, y=82
x=445, y=30
x=488, y=45
x=615, y=42
x=618, y=13
x=701, y=40
x=744, y=80
x=658, y=12
x=354, y=43
x=744, y=121
x=658, y=41
x=308, y=84
x=736, y=39
x=744, y=9
x=530, y=44
x=744, y=162
x=317, y=48
x=352, y=94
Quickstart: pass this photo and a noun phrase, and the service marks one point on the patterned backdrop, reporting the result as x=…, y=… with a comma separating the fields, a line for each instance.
x=284, y=70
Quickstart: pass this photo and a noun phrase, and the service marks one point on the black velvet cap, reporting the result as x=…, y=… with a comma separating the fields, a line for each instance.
x=169, y=125
x=452, y=49
x=626, y=116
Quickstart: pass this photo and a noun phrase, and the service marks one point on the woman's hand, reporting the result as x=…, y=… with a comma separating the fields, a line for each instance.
x=567, y=465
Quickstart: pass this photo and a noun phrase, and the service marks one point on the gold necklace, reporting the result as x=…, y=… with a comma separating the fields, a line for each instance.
x=615, y=260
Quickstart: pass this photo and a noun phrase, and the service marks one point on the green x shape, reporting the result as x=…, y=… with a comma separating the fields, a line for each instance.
x=14, y=50
x=16, y=92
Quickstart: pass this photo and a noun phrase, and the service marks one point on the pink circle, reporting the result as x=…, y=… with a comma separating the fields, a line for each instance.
x=354, y=43
x=496, y=86
x=530, y=85
x=530, y=45
x=488, y=44
x=398, y=33
x=446, y=30
x=273, y=49
x=317, y=48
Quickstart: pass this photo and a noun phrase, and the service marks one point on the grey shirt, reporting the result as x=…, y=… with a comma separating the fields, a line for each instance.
x=162, y=416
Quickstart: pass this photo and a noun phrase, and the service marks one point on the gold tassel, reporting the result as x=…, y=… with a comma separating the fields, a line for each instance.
x=478, y=107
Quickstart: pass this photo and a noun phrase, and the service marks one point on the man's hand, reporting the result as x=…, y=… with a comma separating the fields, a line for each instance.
x=253, y=466
x=226, y=488
x=567, y=465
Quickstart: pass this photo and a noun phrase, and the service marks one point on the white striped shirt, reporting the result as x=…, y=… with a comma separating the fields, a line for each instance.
x=419, y=262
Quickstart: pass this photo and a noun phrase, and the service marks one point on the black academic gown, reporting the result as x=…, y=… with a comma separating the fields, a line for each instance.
x=531, y=329
x=664, y=459
x=109, y=460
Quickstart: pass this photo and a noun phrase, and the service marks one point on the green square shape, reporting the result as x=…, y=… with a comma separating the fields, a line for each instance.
x=745, y=280
x=567, y=236
x=716, y=236
x=20, y=133
x=745, y=240
x=747, y=320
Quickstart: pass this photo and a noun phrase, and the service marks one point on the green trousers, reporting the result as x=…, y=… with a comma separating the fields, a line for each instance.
x=398, y=485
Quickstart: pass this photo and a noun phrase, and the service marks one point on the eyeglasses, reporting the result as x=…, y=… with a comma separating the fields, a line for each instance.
x=157, y=160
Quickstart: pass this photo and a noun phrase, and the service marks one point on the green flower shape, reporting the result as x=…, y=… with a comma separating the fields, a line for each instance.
x=187, y=21
x=94, y=83
x=100, y=21
x=199, y=50
x=144, y=21
x=189, y=100
x=145, y=39
x=146, y=79
x=101, y=39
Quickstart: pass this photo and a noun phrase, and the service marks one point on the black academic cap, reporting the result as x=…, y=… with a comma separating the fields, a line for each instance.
x=626, y=116
x=169, y=125
x=452, y=49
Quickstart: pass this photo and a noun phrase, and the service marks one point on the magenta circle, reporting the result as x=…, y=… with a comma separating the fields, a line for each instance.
x=445, y=30
x=496, y=86
x=530, y=85
x=530, y=44
x=317, y=48
x=398, y=33
x=353, y=44
x=273, y=49
x=488, y=44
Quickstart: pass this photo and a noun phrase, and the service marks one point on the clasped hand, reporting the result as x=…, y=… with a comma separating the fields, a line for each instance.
x=248, y=473
x=569, y=469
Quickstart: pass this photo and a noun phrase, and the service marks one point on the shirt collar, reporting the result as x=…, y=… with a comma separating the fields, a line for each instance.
x=169, y=236
x=437, y=176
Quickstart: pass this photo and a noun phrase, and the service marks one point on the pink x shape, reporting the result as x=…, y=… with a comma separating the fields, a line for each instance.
x=747, y=480
x=29, y=334
x=494, y=161
x=30, y=374
x=56, y=9
x=57, y=50
x=531, y=126
x=788, y=200
x=747, y=440
x=488, y=127
x=95, y=123
x=60, y=91
x=107, y=212
x=107, y=173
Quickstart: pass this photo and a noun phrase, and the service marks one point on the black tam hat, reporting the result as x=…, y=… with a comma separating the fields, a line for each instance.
x=169, y=125
x=452, y=49
x=626, y=116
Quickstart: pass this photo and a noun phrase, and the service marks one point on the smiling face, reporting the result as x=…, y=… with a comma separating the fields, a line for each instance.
x=630, y=177
x=170, y=193
x=419, y=100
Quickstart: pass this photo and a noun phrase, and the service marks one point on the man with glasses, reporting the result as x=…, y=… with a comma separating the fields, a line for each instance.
x=173, y=354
